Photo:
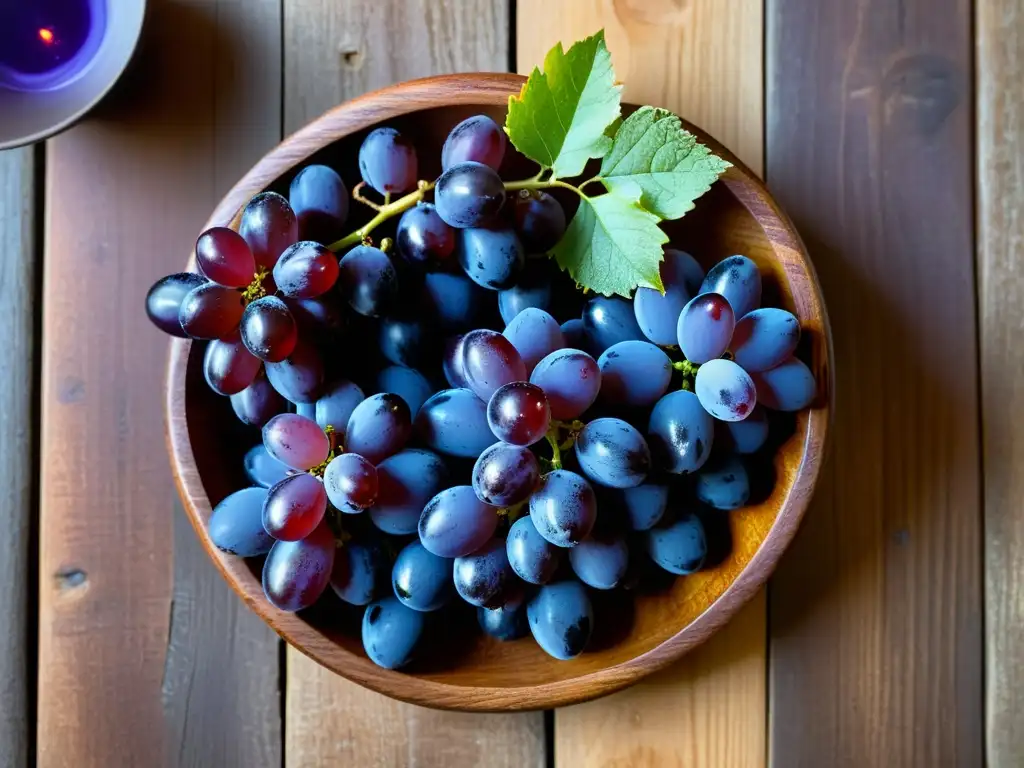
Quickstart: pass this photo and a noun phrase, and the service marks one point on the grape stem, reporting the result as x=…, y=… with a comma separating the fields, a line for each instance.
x=536, y=183
x=556, y=451
x=689, y=371
x=384, y=212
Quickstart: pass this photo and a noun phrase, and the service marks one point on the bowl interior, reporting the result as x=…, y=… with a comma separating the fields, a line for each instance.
x=657, y=624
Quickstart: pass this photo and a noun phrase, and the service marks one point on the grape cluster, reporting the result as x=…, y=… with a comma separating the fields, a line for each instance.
x=427, y=420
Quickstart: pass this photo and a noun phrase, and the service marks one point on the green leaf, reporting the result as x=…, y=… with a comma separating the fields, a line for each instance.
x=559, y=118
x=654, y=159
x=612, y=245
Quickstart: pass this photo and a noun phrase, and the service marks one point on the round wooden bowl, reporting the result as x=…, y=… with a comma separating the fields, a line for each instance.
x=639, y=636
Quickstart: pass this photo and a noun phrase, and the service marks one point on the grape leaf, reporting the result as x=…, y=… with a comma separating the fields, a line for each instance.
x=560, y=116
x=654, y=158
x=612, y=245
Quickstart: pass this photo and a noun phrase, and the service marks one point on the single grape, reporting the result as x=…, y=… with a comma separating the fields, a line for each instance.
x=294, y=507
x=453, y=301
x=490, y=361
x=705, y=328
x=680, y=433
x=269, y=226
x=406, y=482
x=644, y=505
x=634, y=373
x=224, y=257
x=368, y=280
x=423, y=238
x=787, y=387
x=360, y=568
x=452, y=362
x=574, y=333
x=612, y=453
x=532, y=289
x=408, y=383
x=724, y=484
x=300, y=376
x=476, y=138
x=600, y=562
x=295, y=441
x=228, y=366
x=236, y=524
x=561, y=619
x=745, y=436
x=391, y=632
x=468, y=195
x=321, y=316
x=608, y=321
x=455, y=522
x=387, y=161
x=334, y=407
x=481, y=578
x=163, y=302
x=319, y=199
x=680, y=546
x=540, y=220
x=657, y=314
x=263, y=469
x=210, y=311
x=725, y=390
x=508, y=620
x=306, y=270
x=738, y=279
x=258, y=403
x=533, y=558
x=535, y=334
x=571, y=379
x=505, y=474
x=268, y=329
x=379, y=427
x=454, y=422
x=406, y=341
x=422, y=580
x=493, y=258
x=296, y=573
x=563, y=508
x=351, y=483
x=764, y=339
x=518, y=413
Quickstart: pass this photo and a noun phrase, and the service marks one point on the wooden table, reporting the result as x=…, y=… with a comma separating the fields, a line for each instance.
x=891, y=130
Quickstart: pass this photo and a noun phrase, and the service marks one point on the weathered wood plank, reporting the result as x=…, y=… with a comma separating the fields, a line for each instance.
x=1000, y=132
x=18, y=271
x=144, y=660
x=333, y=52
x=876, y=611
x=702, y=59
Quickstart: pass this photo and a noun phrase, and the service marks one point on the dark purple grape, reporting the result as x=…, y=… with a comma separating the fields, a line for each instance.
x=680, y=433
x=406, y=482
x=787, y=387
x=319, y=199
x=574, y=333
x=335, y=406
x=423, y=238
x=764, y=339
x=408, y=383
x=452, y=362
x=532, y=289
x=563, y=508
x=263, y=469
x=540, y=220
x=306, y=270
x=163, y=302
x=453, y=301
x=294, y=507
x=368, y=280
x=296, y=573
x=505, y=474
x=508, y=620
x=570, y=379
x=322, y=316
x=738, y=279
x=406, y=341
x=644, y=505
x=269, y=226
x=391, y=632
x=421, y=579
x=351, y=483
x=745, y=436
x=379, y=427
x=723, y=484
x=657, y=313
x=613, y=453
x=268, y=329
x=634, y=374
x=360, y=568
x=455, y=522
x=607, y=321
x=490, y=361
x=600, y=562
x=224, y=257
x=229, y=367
x=258, y=403
x=210, y=311
x=679, y=546
x=236, y=525
x=300, y=376
x=532, y=557
x=387, y=161
x=454, y=422
x=705, y=328
x=518, y=413
x=481, y=578
x=492, y=258
x=469, y=195
x=476, y=138
x=535, y=334
x=561, y=619
x=725, y=390
x=295, y=441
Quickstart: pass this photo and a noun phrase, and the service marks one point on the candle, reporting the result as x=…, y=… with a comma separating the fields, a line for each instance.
x=48, y=44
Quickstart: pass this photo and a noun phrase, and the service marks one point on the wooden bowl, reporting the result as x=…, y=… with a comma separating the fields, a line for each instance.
x=206, y=441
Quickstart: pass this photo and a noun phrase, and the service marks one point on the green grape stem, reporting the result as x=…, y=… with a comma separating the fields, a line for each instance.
x=556, y=450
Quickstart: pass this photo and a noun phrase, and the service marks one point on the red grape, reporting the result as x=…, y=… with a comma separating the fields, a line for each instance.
x=163, y=302
x=268, y=226
x=294, y=507
x=296, y=573
x=229, y=367
x=300, y=376
x=268, y=329
x=306, y=270
x=295, y=441
x=211, y=311
x=224, y=257
x=258, y=403
x=351, y=483
x=518, y=413
x=489, y=361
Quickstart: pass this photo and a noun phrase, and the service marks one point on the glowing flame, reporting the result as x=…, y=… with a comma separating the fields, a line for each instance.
x=46, y=35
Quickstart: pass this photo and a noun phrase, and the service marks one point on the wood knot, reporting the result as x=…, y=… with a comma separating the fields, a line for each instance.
x=652, y=13
x=922, y=90
x=71, y=579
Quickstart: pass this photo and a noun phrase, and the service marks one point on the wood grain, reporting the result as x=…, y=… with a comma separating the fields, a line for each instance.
x=876, y=610
x=702, y=59
x=144, y=660
x=18, y=271
x=1000, y=136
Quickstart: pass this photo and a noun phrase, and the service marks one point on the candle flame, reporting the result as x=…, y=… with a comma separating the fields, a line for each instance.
x=46, y=35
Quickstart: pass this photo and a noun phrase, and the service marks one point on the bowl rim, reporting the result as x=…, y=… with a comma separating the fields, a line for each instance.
x=493, y=89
